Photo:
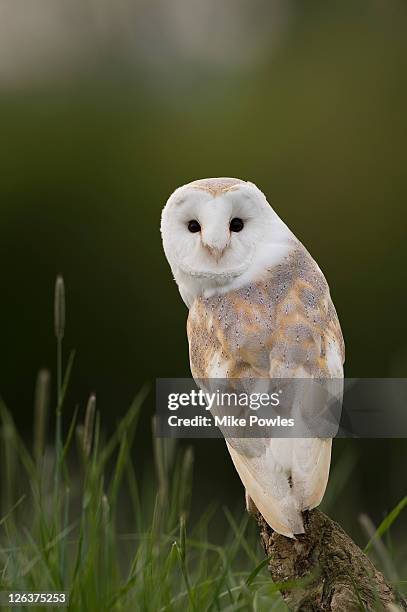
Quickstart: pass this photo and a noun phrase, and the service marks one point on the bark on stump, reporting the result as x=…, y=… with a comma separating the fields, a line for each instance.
x=335, y=575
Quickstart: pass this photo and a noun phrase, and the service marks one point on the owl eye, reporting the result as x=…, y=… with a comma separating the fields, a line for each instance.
x=194, y=226
x=236, y=225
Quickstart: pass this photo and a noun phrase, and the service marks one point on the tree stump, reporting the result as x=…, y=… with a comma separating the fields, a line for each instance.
x=331, y=572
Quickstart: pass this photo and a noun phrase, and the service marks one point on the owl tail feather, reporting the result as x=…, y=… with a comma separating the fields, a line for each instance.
x=283, y=514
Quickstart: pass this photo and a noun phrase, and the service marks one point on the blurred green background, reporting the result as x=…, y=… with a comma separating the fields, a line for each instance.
x=106, y=108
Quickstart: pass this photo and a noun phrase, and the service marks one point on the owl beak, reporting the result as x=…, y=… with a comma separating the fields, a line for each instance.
x=215, y=252
x=214, y=247
x=215, y=241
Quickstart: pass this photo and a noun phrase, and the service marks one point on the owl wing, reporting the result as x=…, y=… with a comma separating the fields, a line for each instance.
x=284, y=477
x=284, y=326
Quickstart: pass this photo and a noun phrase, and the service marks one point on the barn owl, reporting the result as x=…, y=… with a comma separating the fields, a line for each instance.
x=259, y=306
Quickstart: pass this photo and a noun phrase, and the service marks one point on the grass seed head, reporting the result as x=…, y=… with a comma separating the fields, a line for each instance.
x=59, y=308
x=41, y=410
x=89, y=425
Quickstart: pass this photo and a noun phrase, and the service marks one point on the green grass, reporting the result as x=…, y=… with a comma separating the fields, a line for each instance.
x=65, y=532
x=75, y=517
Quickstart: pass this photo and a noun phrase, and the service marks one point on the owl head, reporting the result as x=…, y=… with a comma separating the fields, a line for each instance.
x=217, y=232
